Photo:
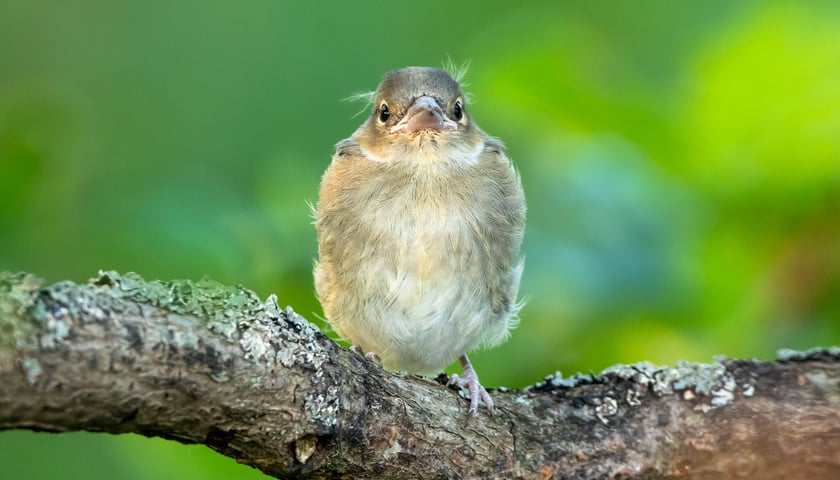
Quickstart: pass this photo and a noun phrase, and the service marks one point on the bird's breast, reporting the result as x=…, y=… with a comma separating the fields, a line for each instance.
x=426, y=224
x=414, y=262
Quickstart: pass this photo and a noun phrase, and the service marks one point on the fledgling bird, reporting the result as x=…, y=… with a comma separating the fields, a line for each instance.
x=419, y=220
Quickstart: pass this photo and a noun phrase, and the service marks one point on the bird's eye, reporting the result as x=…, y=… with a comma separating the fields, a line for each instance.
x=384, y=113
x=458, y=111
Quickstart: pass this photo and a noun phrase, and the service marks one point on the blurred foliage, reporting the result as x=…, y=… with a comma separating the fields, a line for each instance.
x=681, y=162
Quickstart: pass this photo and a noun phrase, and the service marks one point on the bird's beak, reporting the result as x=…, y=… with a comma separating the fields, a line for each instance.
x=424, y=113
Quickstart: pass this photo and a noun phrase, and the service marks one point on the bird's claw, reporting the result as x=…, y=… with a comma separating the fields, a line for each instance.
x=369, y=356
x=469, y=380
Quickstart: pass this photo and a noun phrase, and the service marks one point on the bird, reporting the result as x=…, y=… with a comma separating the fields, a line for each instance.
x=419, y=220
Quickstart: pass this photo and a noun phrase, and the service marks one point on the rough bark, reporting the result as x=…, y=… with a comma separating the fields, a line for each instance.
x=205, y=363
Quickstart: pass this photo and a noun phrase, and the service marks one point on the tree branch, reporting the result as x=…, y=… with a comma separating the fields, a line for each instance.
x=205, y=363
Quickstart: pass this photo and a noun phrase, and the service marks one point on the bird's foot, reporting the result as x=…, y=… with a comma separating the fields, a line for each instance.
x=469, y=380
x=369, y=356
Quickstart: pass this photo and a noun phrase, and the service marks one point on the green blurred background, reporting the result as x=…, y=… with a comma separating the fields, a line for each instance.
x=681, y=162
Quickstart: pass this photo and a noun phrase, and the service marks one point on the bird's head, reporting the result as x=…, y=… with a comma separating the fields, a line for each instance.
x=418, y=110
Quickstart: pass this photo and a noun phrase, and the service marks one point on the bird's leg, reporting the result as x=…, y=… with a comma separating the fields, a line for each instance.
x=369, y=356
x=469, y=380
